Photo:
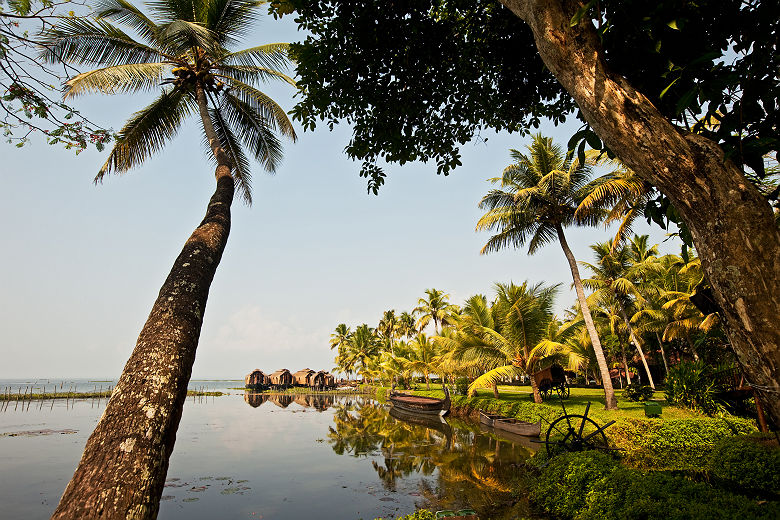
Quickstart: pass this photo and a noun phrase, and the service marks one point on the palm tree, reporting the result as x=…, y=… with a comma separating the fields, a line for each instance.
x=184, y=55
x=538, y=197
x=406, y=325
x=435, y=308
x=363, y=348
x=340, y=336
x=422, y=359
x=612, y=281
x=621, y=192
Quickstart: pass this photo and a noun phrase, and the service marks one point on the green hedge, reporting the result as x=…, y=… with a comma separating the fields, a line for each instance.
x=594, y=486
x=745, y=463
x=673, y=444
x=421, y=514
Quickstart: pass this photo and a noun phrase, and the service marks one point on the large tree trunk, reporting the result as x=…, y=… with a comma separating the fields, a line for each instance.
x=730, y=221
x=609, y=392
x=122, y=471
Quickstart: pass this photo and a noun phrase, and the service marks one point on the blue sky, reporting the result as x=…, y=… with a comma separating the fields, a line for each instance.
x=82, y=264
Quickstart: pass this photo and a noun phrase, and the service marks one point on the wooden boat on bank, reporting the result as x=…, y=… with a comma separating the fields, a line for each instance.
x=417, y=404
x=510, y=424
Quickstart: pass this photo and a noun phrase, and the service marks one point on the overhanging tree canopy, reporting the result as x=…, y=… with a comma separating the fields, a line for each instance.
x=684, y=93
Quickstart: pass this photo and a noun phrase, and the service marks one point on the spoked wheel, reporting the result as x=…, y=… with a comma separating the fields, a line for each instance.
x=574, y=433
x=563, y=391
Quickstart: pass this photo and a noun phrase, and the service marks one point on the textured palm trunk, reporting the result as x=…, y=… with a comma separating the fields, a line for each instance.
x=535, y=390
x=609, y=392
x=495, y=390
x=625, y=365
x=731, y=223
x=663, y=353
x=122, y=470
x=637, y=344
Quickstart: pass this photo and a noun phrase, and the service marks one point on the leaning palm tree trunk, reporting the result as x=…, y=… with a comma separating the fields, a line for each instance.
x=663, y=353
x=122, y=471
x=609, y=392
x=638, y=345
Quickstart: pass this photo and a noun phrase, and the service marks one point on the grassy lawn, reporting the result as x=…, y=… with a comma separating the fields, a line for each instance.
x=578, y=400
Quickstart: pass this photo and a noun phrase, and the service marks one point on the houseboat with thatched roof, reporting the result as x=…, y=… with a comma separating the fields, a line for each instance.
x=257, y=380
x=281, y=378
x=303, y=377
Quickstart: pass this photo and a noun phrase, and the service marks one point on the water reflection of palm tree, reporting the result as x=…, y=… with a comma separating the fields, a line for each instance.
x=475, y=470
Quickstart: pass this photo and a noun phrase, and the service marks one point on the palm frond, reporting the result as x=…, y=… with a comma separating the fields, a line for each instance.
x=274, y=115
x=241, y=172
x=254, y=132
x=147, y=132
x=81, y=41
x=117, y=78
x=268, y=56
x=126, y=13
x=493, y=377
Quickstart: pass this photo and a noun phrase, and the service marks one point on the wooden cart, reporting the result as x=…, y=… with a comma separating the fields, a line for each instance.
x=552, y=379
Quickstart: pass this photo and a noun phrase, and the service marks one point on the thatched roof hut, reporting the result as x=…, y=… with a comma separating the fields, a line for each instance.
x=282, y=377
x=303, y=377
x=256, y=378
x=329, y=380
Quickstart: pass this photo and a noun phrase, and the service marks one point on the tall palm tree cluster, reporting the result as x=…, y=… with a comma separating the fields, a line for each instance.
x=643, y=310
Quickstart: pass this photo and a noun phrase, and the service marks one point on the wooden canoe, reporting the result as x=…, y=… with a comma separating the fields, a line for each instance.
x=519, y=427
x=417, y=404
x=488, y=418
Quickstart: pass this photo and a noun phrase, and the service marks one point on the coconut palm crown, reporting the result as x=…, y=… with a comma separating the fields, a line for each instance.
x=184, y=54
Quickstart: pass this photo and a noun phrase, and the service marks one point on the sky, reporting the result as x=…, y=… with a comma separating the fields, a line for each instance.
x=81, y=264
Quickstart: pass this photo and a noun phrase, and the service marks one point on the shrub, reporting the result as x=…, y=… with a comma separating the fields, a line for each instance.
x=676, y=444
x=690, y=384
x=593, y=485
x=638, y=393
x=420, y=514
x=744, y=463
x=462, y=386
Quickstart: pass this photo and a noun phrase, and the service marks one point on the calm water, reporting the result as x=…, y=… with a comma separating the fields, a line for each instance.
x=276, y=457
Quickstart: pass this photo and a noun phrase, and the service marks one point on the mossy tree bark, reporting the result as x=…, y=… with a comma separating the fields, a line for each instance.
x=731, y=223
x=122, y=471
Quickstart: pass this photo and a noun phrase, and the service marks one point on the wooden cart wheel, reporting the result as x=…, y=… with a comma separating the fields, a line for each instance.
x=574, y=433
x=563, y=391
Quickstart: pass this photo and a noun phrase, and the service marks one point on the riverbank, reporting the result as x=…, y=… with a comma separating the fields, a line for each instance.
x=681, y=465
x=104, y=394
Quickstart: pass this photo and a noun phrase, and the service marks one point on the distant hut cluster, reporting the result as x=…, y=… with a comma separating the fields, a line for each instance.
x=281, y=379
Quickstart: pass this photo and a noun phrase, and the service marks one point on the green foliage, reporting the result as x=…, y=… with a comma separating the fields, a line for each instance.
x=638, y=393
x=746, y=464
x=462, y=386
x=690, y=384
x=420, y=514
x=593, y=485
x=677, y=444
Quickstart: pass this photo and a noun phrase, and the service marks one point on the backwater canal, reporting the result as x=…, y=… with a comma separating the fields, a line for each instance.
x=284, y=457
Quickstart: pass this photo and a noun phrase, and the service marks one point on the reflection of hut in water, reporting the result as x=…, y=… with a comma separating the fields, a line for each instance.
x=303, y=377
x=254, y=400
x=281, y=400
x=322, y=402
x=281, y=378
x=257, y=380
x=302, y=400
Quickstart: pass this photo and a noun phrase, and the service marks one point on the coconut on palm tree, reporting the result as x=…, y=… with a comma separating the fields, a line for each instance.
x=183, y=52
x=537, y=198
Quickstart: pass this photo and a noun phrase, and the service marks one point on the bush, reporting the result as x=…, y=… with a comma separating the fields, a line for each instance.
x=676, y=444
x=593, y=485
x=462, y=386
x=744, y=463
x=420, y=514
x=690, y=384
x=638, y=393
